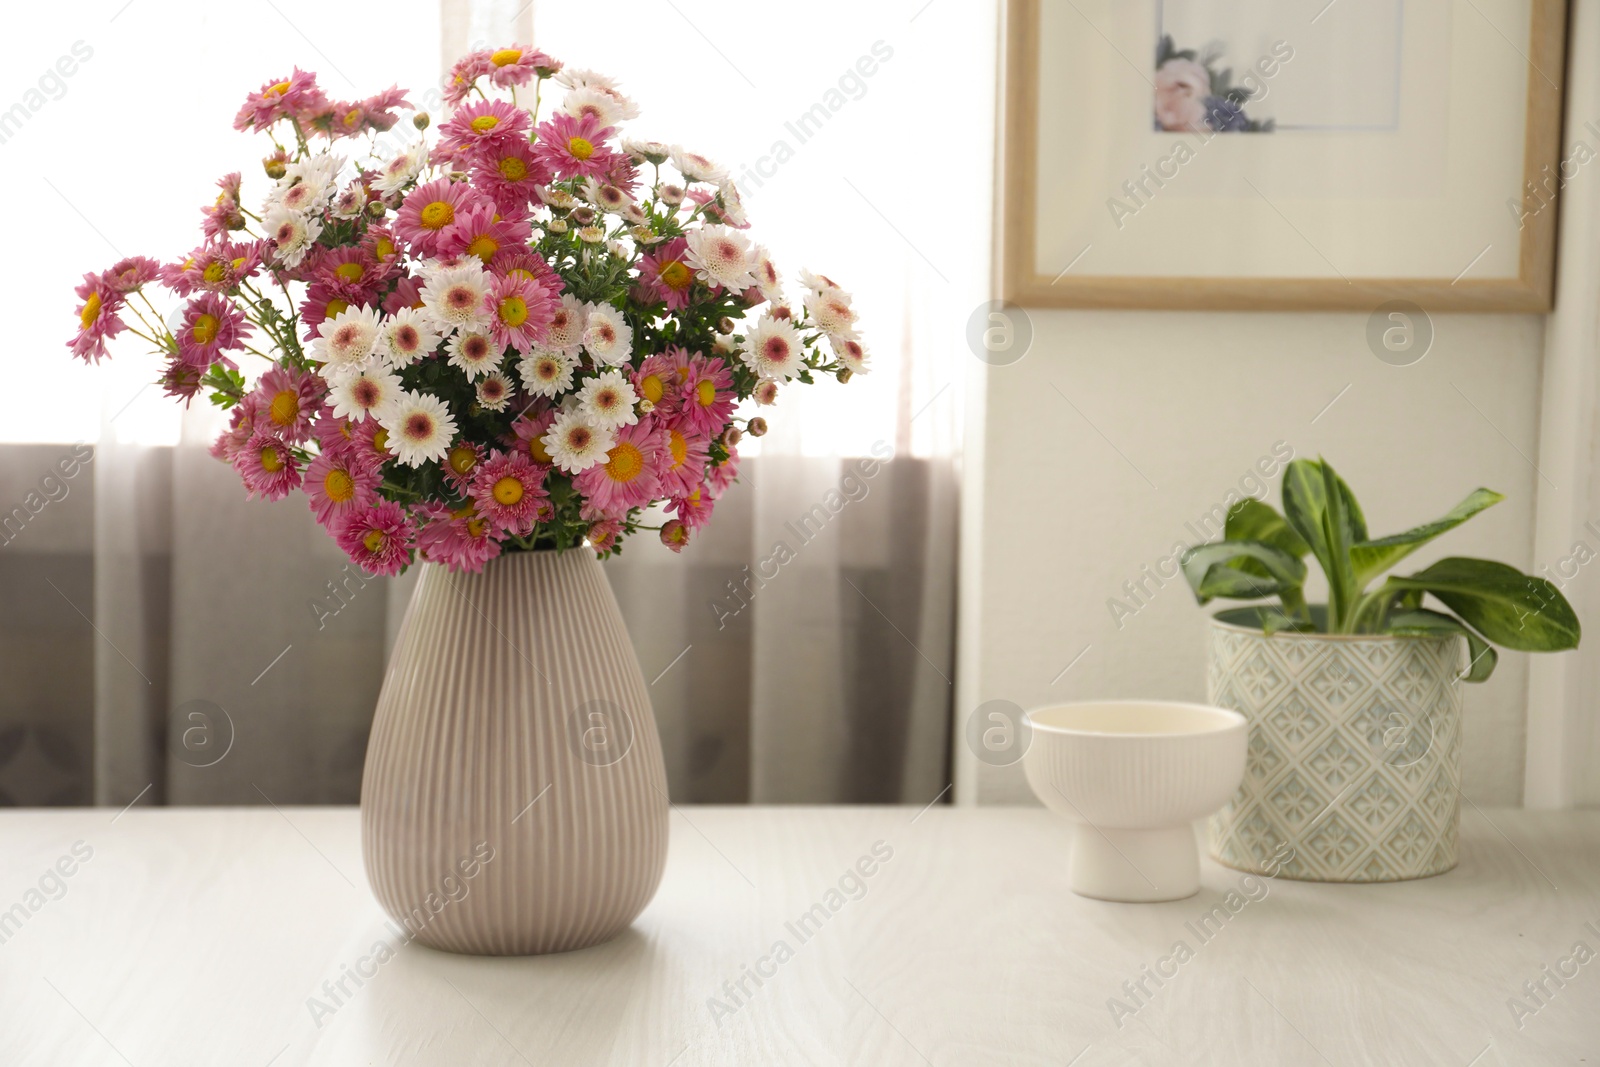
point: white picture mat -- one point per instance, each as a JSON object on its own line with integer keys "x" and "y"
{"x": 1422, "y": 201}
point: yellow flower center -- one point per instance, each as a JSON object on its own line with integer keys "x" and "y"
{"x": 485, "y": 123}
{"x": 204, "y": 330}
{"x": 476, "y": 527}
{"x": 625, "y": 462}
{"x": 350, "y": 272}
{"x": 484, "y": 247}
{"x": 352, "y": 117}
{"x": 335, "y": 307}
{"x": 537, "y": 450}
{"x": 512, "y": 169}
{"x": 380, "y": 440}
{"x": 678, "y": 445}
{"x": 675, "y": 275}
{"x": 507, "y": 491}
{"x": 706, "y": 392}
{"x": 437, "y": 215}
{"x": 580, "y": 148}
{"x": 506, "y": 56}
{"x": 285, "y": 408}
{"x": 91, "y": 310}
{"x": 462, "y": 459}
{"x": 213, "y": 273}
{"x": 338, "y": 486}
{"x": 277, "y": 90}
{"x": 513, "y": 311}
{"x": 384, "y": 248}
{"x": 374, "y": 540}
{"x": 652, "y": 388}
{"x": 271, "y": 462}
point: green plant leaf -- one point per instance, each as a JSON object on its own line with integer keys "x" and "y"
{"x": 1256, "y": 520}
{"x": 1481, "y": 656}
{"x": 1510, "y": 608}
{"x": 1322, "y": 510}
{"x": 1211, "y": 573}
{"x": 1372, "y": 558}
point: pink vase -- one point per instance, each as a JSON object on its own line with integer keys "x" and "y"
{"x": 514, "y": 800}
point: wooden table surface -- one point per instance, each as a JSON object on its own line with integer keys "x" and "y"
{"x": 220, "y": 937}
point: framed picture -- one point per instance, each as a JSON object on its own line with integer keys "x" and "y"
{"x": 1282, "y": 154}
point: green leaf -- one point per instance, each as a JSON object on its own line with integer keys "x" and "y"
{"x": 1508, "y": 607}
{"x": 1323, "y": 511}
{"x": 1372, "y": 558}
{"x": 1210, "y": 570}
{"x": 1255, "y": 520}
{"x": 1422, "y": 623}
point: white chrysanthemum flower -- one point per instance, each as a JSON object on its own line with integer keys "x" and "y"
{"x": 576, "y": 442}
{"x": 608, "y": 398}
{"x": 591, "y": 235}
{"x": 547, "y": 373}
{"x": 817, "y": 283}
{"x": 671, "y": 195}
{"x": 766, "y": 392}
{"x": 350, "y": 203}
{"x": 831, "y": 313}
{"x": 407, "y": 336}
{"x": 721, "y": 255}
{"x": 850, "y": 352}
{"x": 292, "y": 234}
{"x": 608, "y": 197}
{"x": 557, "y": 199}
{"x": 344, "y": 342}
{"x": 454, "y": 296}
{"x": 401, "y": 168}
{"x": 580, "y": 78}
{"x": 772, "y": 349}
{"x": 474, "y": 353}
{"x": 768, "y": 280}
{"x": 364, "y": 393}
{"x": 420, "y": 427}
{"x": 732, "y": 204}
{"x": 565, "y": 333}
{"x": 646, "y": 151}
{"x": 697, "y": 168}
{"x": 494, "y": 392}
{"x": 607, "y": 106}
{"x": 307, "y": 185}
{"x": 606, "y": 337}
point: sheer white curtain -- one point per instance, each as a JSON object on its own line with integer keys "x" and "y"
{"x": 236, "y": 657}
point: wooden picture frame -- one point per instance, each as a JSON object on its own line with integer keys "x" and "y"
{"x": 1023, "y": 282}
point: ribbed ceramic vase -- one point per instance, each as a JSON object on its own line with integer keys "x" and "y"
{"x": 1353, "y": 768}
{"x": 514, "y": 800}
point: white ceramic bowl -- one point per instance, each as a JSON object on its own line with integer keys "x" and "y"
{"x": 1134, "y": 774}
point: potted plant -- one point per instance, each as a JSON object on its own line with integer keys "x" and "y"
{"x": 497, "y": 352}
{"x": 1354, "y": 705}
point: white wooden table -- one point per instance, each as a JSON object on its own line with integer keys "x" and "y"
{"x": 205, "y": 936}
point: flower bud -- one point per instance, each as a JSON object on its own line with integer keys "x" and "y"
{"x": 376, "y": 208}
{"x": 725, "y": 325}
{"x": 674, "y": 534}
{"x": 757, "y": 426}
{"x": 844, "y": 376}
{"x": 420, "y": 120}
{"x": 732, "y": 437}
{"x": 557, "y": 226}
{"x": 275, "y": 167}
{"x": 583, "y": 215}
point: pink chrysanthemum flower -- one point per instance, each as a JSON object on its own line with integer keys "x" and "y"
{"x": 179, "y": 380}
{"x": 295, "y": 95}
{"x": 335, "y": 436}
{"x": 528, "y": 430}
{"x": 665, "y": 276}
{"x": 131, "y": 274}
{"x": 211, "y": 327}
{"x": 482, "y": 123}
{"x": 218, "y": 267}
{"x": 326, "y": 300}
{"x": 694, "y": 508}
{"x": 630, "y": 477}
{"x": 267, "y": 466}
{"x": 429, "y": 210}
{"x": 339, "y": 487}
{"x": 603, "y": 534}
{"x": 289, "y": 401}
{"x": 520, "y": 311}
{"x": 674, "y": 534}
{"x": 720, "y": 477}
{"x": 509, "y": 171}
{"x": 521, "y": 263}
{"x": 98, "y": 318}
{"x": 481, "y": 231}
{"x": 460, "y": 465}
{"x": 460, "y": 539}
{"x": 351, "y": 265}
{"x": 224, "y": 213}
{"x": 369, "y": 444}
{"x": 519, "y": 65}
{"x": 509, "y": 492}
{"x": 467, "y": 70}
{"x": 378, "y": 539}
{"x": 687, "y": 455}
{"x": 241, "y": 427}
{"x": 707, "y": 398}
{"x": 407, "y": 294}
{"x": 656, "y": 380}
{"x": 575, "y": 148}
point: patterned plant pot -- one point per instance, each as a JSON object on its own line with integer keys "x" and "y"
{"x": 1354, "y": 761}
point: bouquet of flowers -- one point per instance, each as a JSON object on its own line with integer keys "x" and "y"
{"x": 522, "y": 336}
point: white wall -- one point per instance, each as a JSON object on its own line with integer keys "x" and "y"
{"x": 1055, "y": 519}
